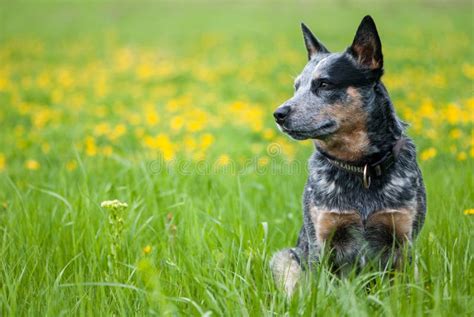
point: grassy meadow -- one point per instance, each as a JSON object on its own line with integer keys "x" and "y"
{"x": 167, "y": 106}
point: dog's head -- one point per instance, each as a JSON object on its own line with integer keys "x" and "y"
{"x": 333, "y": 91}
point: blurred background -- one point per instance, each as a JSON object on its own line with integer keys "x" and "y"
{"x": 199, "y": 80}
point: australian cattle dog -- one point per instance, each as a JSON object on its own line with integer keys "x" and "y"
{"x": 364, "y": 199}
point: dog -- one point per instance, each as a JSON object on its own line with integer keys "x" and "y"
{"x": 364, "y": 199}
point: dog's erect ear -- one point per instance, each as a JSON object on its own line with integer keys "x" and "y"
{"x": 313, "y": 46}
{"x": 366, "y": 47}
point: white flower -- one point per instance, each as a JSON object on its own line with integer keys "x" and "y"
{"x": 109, "y": 204}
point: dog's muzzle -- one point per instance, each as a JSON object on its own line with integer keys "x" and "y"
{"x": 281, "y": 114}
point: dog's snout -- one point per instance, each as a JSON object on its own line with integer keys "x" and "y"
{"x": 281, "y": 113}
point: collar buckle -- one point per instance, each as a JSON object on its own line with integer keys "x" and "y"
{"x": 366, "y": 177}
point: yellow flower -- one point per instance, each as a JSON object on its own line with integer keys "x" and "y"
{"x": 427, "y": 109}
{"x": 468, "y": 70}
{"x": 428, "y": 154}
{"x": 462, "y": 156}
{"x": 268, "y": 134}
{"x": 453, "y": 113}
{"x": 263, "y": 161}
{"x": 2, "y": 162}
{"x": 469, "y": 211}
{"x": 32, "y": 165}
{"x": 71, "y": 165}
{"x": 147, "y": 249}
{"x": 455, "y": 134}
{"x": 107, "y": 150}
{"x": 223, "y": 160}
{"x": 118, "y": 131}
{"x": 206, "y": 140}
{"x": 91, "y": 148}
{"x": 101, "y": 129}
{"x": 176, "y": 123}
{"x": 151, "y": 116}
{"x": 145, "y": 71}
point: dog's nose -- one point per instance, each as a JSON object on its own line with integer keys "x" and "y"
{"x": 281, "y": 113}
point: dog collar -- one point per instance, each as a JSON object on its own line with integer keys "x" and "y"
{"x": 369, "y": 170}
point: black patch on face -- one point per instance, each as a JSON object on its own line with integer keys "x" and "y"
{"x": 343, "y": 73}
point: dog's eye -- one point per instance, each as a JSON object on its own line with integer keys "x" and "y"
{"x": 324, "y": 84}
{"x": 321, "y": 84}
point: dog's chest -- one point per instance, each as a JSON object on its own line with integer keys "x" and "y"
{"x": 334, "y": 209}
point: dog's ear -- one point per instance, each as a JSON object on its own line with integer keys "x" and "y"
{"x": 366, "y": 47}
{"x": 313, "y": 46}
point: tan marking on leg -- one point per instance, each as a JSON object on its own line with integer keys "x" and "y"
{"x": 326, "y": 222}
{"x": 400, "y": 222}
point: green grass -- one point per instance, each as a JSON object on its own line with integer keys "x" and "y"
{"x": 212, "y": 234}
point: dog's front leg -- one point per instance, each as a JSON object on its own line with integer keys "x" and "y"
{"x": 389, "y": 233}
{"x": 286, "y": 269}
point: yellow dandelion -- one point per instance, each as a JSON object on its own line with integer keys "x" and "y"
{"x": 469, "y": 211}
{"x": 453, "y": 113}
{"x": 101, "y": 129}
{"x": 145, "y": 71}
{"x": 189, "y": 143}
{"x": 172, "y": 105}
{"x": 91, "y": 148}
{"x": 432, "y": 134}
{"x": 176, "y": 123}
{"x": 151, "y": 117}
{"x": 117, "y": 132}
{"x": 71, "y": 165}
{"x": 150, "y": 142}
{"x": 263, "y": 161}
{"x": 455, "y": 134}
{"x": 428, "y": 154}
{"x": 199, "y": 156}
{"x": 32, "y": 165}
{"x": 468, "y": 70}
{"x": 147, "y": 249}
{"x": 268, "y": 134}
{"x": 206, "y": 140}
{"x": 3, "y": 162}
{"x": 461, "y": 156}
{"x": 427, "y": 109}
{"x": 4, "y": 83}
{"x": 223, "y": 160}
{"x": 107, "y": 150}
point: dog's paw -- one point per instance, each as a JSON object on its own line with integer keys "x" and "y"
{"x": 286, "y": 270}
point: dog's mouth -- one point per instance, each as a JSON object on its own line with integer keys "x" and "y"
{"x": 322, "y": 130}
